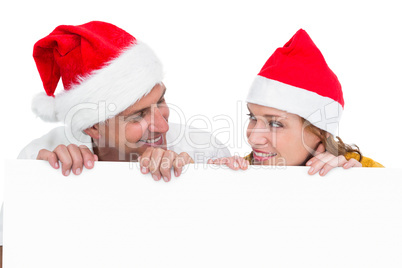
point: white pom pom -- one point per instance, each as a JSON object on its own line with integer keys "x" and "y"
{"x": 44, "y": 107}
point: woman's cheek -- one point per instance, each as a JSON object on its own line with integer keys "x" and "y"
{"x": 250, "y": 127}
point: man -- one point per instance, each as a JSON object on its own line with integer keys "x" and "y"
{"x": 113, "y": 102}
{"x": 113, "y": 105}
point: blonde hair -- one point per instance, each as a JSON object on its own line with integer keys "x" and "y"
{"x": 336, "y": 147}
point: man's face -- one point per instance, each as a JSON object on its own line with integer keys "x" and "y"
{"x": 141, "y": 125}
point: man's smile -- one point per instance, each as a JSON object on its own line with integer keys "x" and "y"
{"x": 154, "y": 142}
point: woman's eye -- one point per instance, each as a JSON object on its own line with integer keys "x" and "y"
{"x": 251, "y": 117}
{"x": 275, "y": 124}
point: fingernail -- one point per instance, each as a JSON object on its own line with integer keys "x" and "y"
{"x": 56, "y": 165}
{"x": 89, "y": 164}
{"x": 165, "y": 179}
{"x": 155, "y": 177}
{"x": 322, "y": 172}
{"x": 176, "y": 174}
{"x": 308, "y": 163}
{"x": 78, "y": 171}
{"x": 67, "y": 172}
{"x": 144, "y": 170}
{"x": 236, "y": 165}
{"x": 311, "y": 171}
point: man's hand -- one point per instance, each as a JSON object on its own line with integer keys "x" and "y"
{"x": 323, "y": 162}
{"x": 159, "y": 162}
{"x": 233, "y": 162}
{"x": 72, "y": 157}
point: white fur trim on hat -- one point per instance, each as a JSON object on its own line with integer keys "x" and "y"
{"x": 105, "y": 92}
{"x": 321, "y": 111}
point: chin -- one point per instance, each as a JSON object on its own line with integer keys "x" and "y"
{"x": 277, "y": 161}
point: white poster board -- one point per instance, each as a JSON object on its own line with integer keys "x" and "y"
{"x": 113, "y": 216}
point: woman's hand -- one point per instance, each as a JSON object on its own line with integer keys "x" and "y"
{"x": 324, "y": 161}
{"x": 159, "y": 162}
{"x": 233, "y": 162}
{"x": 72, "y": 157}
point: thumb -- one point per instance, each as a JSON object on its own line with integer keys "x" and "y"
{"x": 320, "y": 149}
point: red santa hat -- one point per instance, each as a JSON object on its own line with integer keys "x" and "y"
{"x": 103, "y": 68}
{"x": 297, "y": 79}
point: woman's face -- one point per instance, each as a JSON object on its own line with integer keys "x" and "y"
{"x": 278, "y": 137}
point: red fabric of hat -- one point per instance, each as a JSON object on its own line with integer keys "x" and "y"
{"x": 297, "y": 79}
{"x": 75, "y": 51}
{"x": 100, "y": 65}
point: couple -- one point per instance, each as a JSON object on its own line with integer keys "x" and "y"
{"x": 114, "y": 108}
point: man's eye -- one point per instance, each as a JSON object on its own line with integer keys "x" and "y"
{"x": 251, "y": 117}
{"x": 136, "y": 117}
{"x": 162, "y": 101}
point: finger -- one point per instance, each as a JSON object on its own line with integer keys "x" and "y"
{"x": 49, "y": 156}
{"x": 76, "y": 156}
{"x": 232, "y": 163}
{"x": 214, "y": 161}
{"x": 320, "y": 149}
{"x": 220, "y": 161}
{"x": 322, "y": 159}
{"x": 317, "y": 157}
{"x": 312, "y": 161}
{"x": 87, "y": 156}
{"x": 180, "y": 161}
{"x": 238, "y": 163}
{"x": 243, "y": 163}
{"x": 166, "y": 164}
{"x": 145, "y": 160}
{"x": 335, "y": 162}
{"x": 352, "y": 163}
{"x": 64, "y": 156}
{"x": 155, "y": 163}
{"x": 319, "y": 154}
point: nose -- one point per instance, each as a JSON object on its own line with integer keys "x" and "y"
{"x": 157, "y": 122}
{"x": 258, "y": 135}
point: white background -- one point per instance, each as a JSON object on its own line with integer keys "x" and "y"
{"x": 212, "y": 50}
{"x": 262, "y": 217}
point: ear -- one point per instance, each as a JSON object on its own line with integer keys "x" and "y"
{"x": 93, "y": 132}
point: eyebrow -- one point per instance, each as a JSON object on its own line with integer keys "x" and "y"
{"x": 270, "y": 115}
{"x": 143, "y": 109}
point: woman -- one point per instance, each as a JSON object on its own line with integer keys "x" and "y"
{"x": 294, "y": 87}
{"x": 295, "y": 105}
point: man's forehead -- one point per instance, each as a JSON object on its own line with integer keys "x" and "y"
{"x": 146, "y": 101}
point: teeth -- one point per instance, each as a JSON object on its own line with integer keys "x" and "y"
{"x": 264, "y": 155}
{"x": 153, "y": 141}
